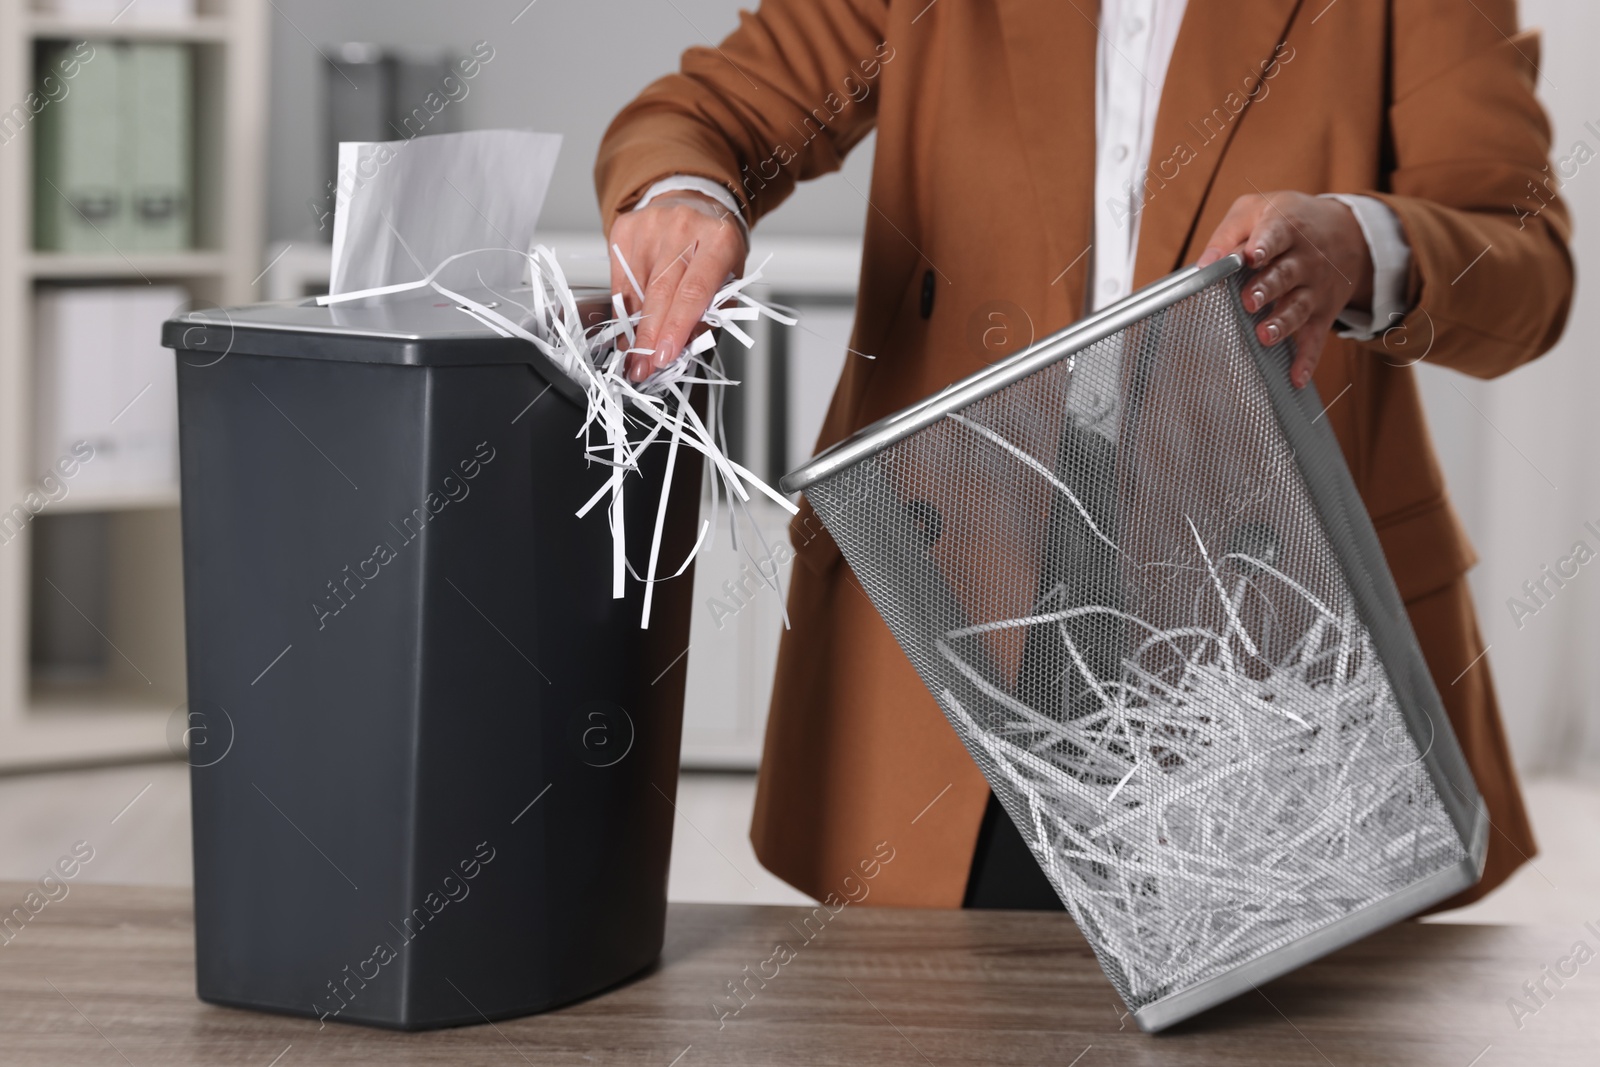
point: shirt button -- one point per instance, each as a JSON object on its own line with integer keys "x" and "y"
{"x": 1110, "y": 286}
{"x": 1135, "y": 26}
{"x": 1119, "y": 153}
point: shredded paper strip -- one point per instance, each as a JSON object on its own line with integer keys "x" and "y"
{"x": 626, "y": 418}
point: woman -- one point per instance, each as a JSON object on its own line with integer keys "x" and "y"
{"x": 1030, "y": 153}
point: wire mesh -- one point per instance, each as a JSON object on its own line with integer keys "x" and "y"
{"x": 1114, "y": 580}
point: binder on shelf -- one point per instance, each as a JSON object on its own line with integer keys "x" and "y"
{"x": 79, "y": 200}
{"x": 115, "y": 156}
{"x": 103, "y": 378}
{"x": 158, "y": 144}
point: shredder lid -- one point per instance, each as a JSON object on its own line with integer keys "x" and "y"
{"x": 417, "y": 329}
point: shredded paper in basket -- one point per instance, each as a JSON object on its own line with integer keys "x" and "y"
{"x": 1138, "y": 581}
{"x": 626, "y": 418}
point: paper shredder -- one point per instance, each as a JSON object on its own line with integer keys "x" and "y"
{"x": 433, "y": 762}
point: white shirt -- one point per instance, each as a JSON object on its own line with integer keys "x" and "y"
{"x": 1135, "y": 47}
{"x": 1134, "y": 51}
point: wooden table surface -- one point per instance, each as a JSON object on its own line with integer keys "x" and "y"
{"x": 105, "y": 976}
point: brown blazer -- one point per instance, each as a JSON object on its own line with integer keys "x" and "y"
{"x": 983, "y": 179}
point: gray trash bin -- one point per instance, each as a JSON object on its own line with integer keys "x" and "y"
{"x": 433, "y": 761}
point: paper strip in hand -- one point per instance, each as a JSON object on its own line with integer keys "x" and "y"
{"x": 467, "y": 205}
{"x": 596, "y": 359}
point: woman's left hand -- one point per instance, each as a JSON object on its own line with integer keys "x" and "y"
{"x": 1311, "y": 261}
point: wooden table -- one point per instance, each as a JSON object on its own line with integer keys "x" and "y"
{"x": 105, "y": 976}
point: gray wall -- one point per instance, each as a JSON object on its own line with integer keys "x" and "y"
{"x": 564, "y": 66}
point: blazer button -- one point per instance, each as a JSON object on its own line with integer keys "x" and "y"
{"x": 927, "y": 294}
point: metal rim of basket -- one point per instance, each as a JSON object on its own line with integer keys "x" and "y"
{"x": 872, "y": 439}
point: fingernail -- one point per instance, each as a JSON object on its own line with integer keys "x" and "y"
{"x": 1273, "y": 330}
{"x": 1260, "y": 297}
{"x": 1258, "y": 255}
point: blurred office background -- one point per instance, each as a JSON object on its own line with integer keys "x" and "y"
{"x": 183, "y": 158}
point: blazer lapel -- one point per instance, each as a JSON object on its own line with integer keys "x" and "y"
{"x": 1222, "y": 49}
{"x": 1050, "y": 54}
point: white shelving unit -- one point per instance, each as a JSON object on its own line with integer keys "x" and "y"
{"x": 127, "y": 714}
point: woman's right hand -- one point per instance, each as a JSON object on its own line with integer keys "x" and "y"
{"x": 682, "y": 247}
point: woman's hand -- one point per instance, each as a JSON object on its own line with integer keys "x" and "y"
{"x": 1312, "y": 262}
{"x": 682, "y": 247}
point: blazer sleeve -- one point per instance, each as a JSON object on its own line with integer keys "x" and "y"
{"x": 782, "y": 98}
{"x": 1491, "y": 274}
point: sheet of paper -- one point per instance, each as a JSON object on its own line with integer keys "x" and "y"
{"x": 404, "y": 207}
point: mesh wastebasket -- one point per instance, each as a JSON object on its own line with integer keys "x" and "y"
{"x": 433, "y": 761}
{"x": 1130, "y": 565}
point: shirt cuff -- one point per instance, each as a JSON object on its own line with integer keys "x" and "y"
{"x": 706, "y": 187}
{"x": 1391, "y": 268}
